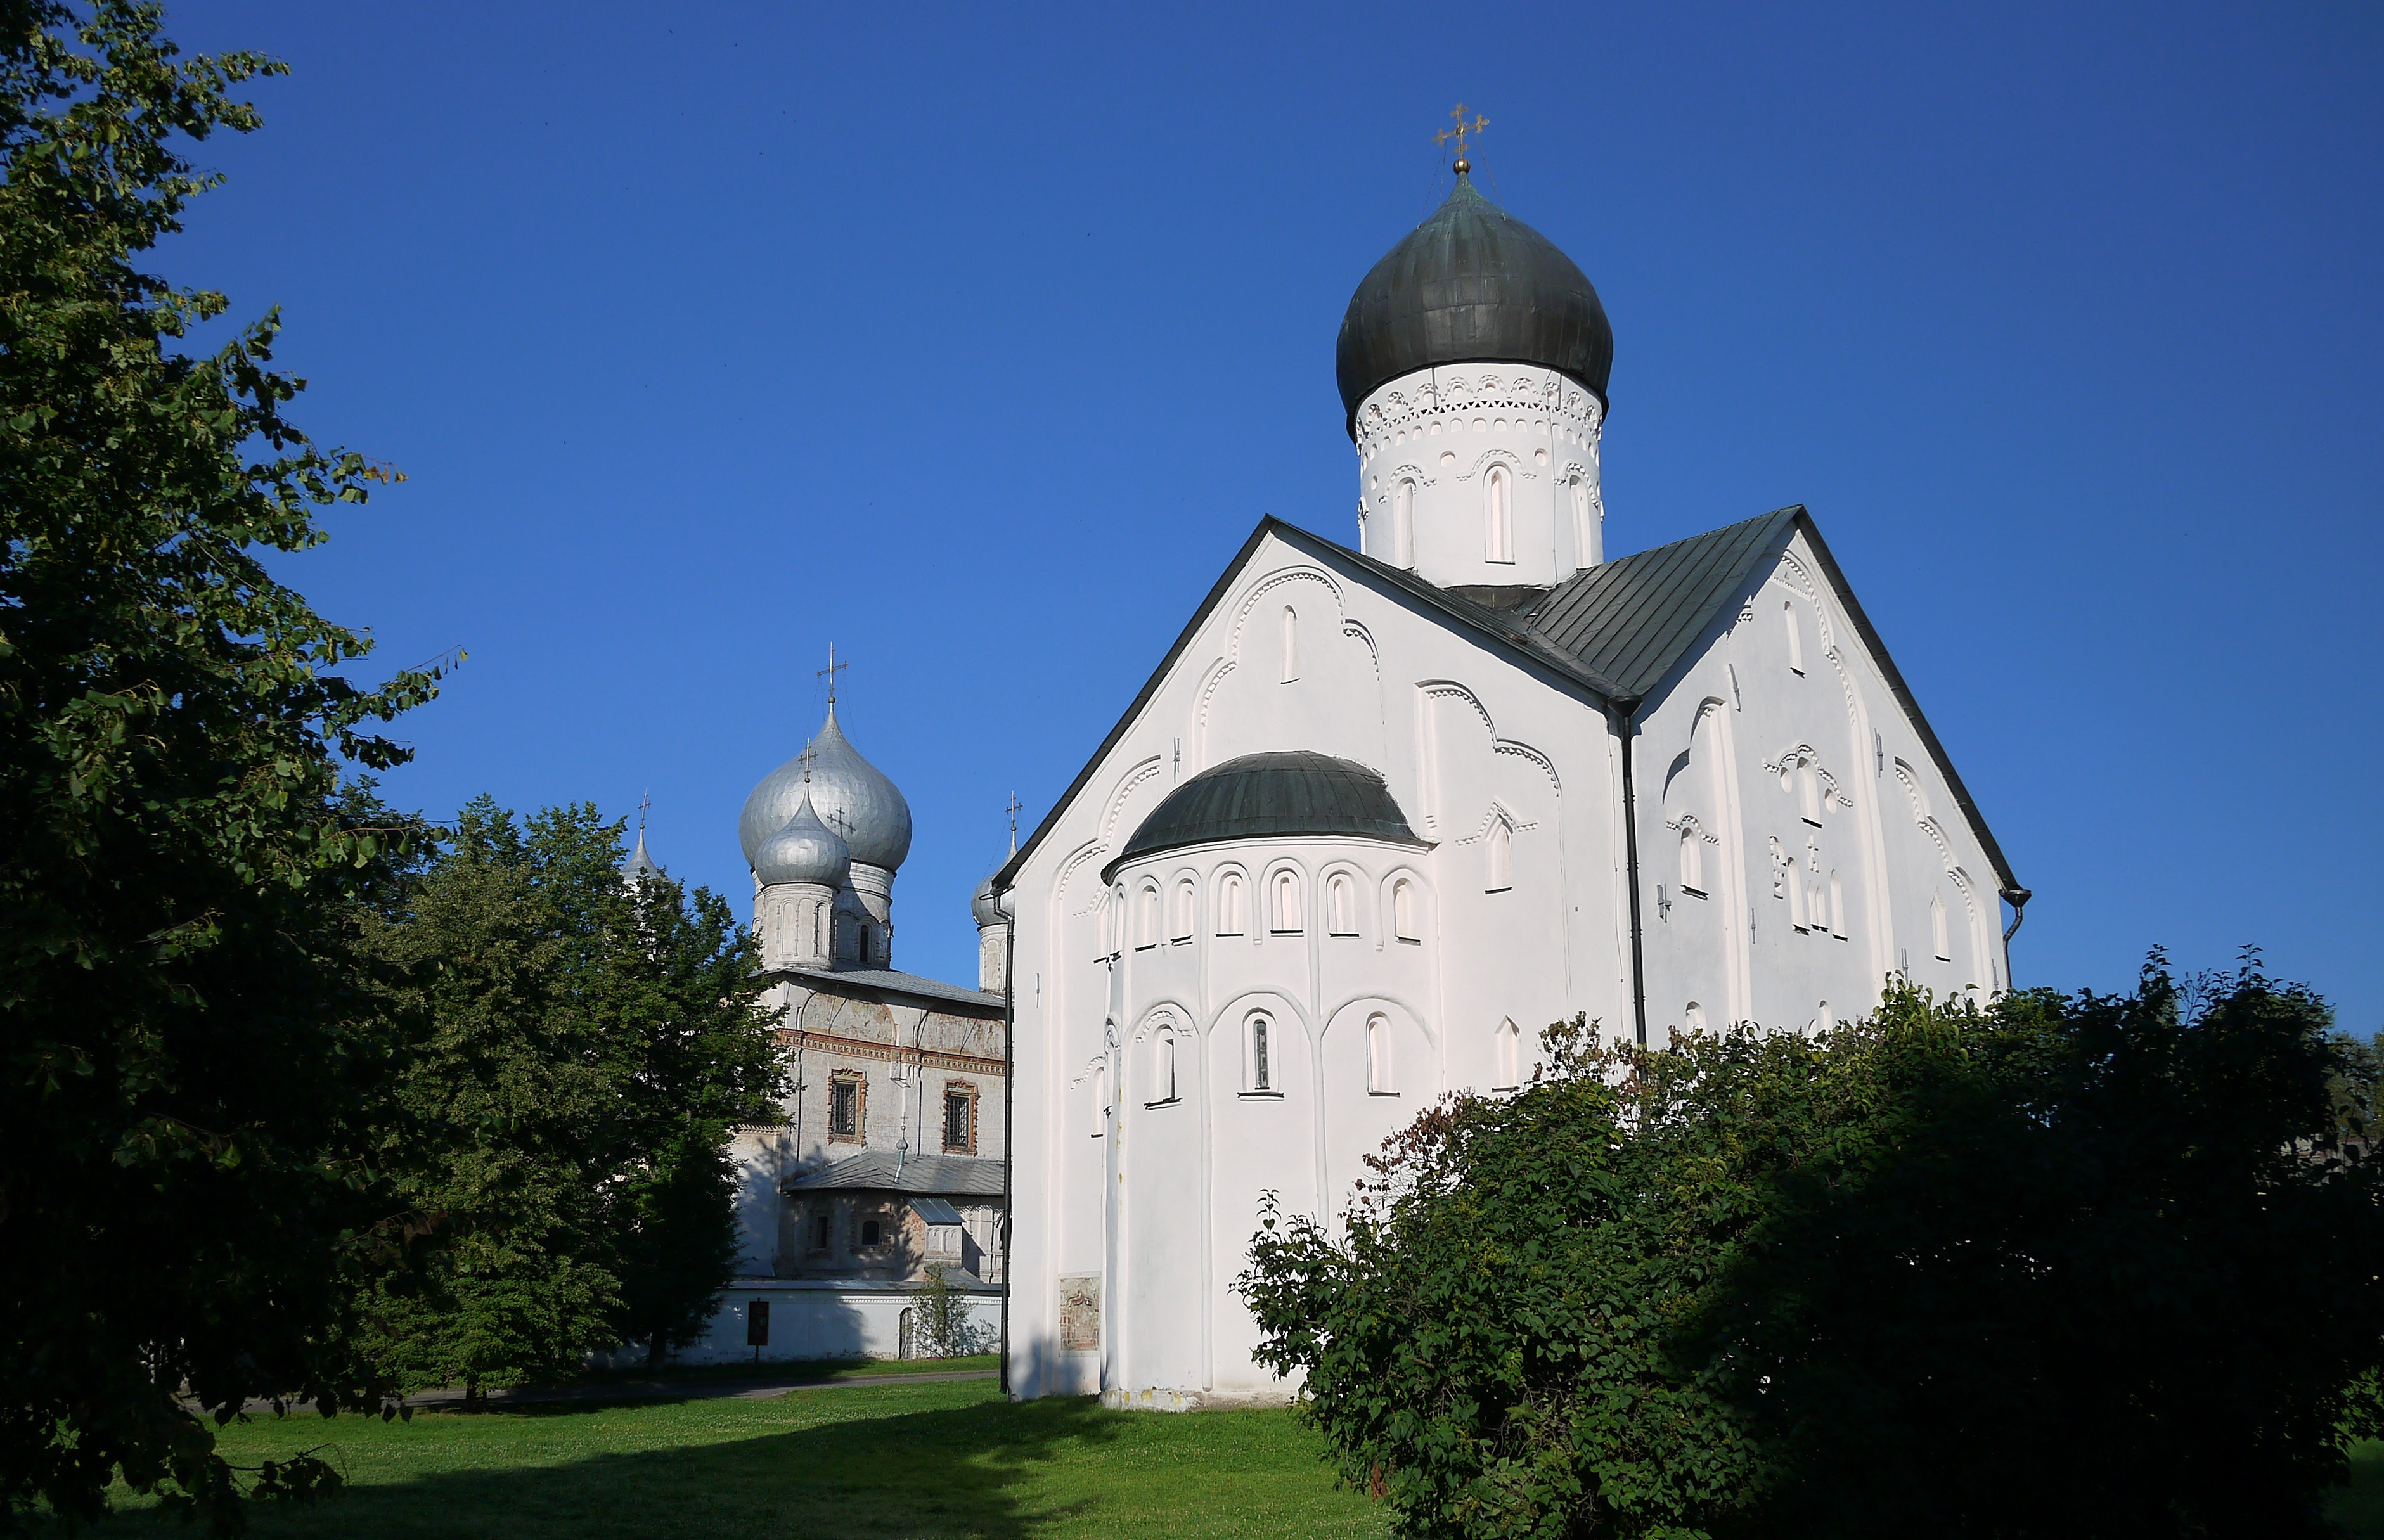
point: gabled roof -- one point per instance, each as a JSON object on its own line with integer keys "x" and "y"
{"x": 875, "y": 1171}
{"x": 1633, "y": 618}
{"x": 1619, "y": 629}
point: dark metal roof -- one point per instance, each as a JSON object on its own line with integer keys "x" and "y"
{"x": 873, "y": 1171}
{"x": 935, "y": 1211}
{"x": 1631, "y": 619}
{"x": 888, "y": 981}
{"x": 1284, "y": 792}
{"x": 1471, "y": 284}
{"x": 1642, "y": 620}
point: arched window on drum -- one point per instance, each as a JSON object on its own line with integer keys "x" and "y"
{"x": 1285, "y": 919}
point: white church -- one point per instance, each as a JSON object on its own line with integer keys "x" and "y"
{"x": 1381, "y": 814}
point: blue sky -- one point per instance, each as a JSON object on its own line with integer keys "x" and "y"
{"x": 976, "y": 341}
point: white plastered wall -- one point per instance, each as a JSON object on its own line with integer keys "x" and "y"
{"x": 1146, "y": 1205}
{"x": 1824, "y": 827}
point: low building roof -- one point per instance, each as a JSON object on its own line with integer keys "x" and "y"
{"x": 876, "y": 1171}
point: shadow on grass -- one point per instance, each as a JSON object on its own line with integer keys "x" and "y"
{"x": 977, "y": 1471}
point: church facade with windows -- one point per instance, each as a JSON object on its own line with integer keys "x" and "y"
{"x": 1384, "y": 812}
{"x": 887, "y": 1159}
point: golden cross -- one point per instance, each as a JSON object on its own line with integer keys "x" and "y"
{"x": 1459, "y": 133}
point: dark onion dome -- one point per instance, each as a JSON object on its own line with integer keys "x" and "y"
{"x": 851, "y": 796}
{"x": 804, "y": 850}
{"x": 1472, "y": 285}
{"x": 1260, "y": 796}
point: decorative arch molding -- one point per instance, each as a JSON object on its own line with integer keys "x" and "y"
{"x": 1283, "y": 577}
{"x": 1449, "y": 689}
{"x": 1209, "y": 687}
{"x": 1803, "y": 585}
{"x": 1356, "y": 631}
{"x": 1128, "y": 783}
{"x": 1357, "y": 1007}
{"x": 1499, "y": 812}
{"x": 1406, "y": 471}
{"x": 1506, "y": 458}
{"x": 1068, "y": 869}
{"x": 1169, "y": 1012}
{"x": 1275, "y": 1002}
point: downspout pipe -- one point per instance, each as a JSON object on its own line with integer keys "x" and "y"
{"x": 1622, "y": 716}
{"x": 2017, "y": 897}
{"x": 1009, "y": 1100}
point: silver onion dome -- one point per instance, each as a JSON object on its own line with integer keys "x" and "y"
{"x": 986, "y": 904}
{"x": 851, "y": 795}
{"x": 642, "y": 867}
{"x": 804, "y": 850}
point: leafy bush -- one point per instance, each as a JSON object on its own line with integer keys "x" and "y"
{"x": 2068, "y": 1265}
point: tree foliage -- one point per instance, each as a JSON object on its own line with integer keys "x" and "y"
{"x": 190, "y": 1045}
{"x": 582, "y": 1051}
{"x": 2068, "y": 1265}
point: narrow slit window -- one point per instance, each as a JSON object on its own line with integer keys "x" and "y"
{"x": 1146, "y": 932}
{"x": 1262, "y": 1055}
{"x": 1229, "y": 904}
{"x": 1378, "y": 1057}
{"x": 1499, "y": 489}
{"x": 1501, "y": 853}
{"x": 960, "y": 1121}
{"x": 1343, "y": 902}
{"x": 1692, "y": 861}
{"x": 1584, "y": 531}
{"x": 1186, "y": 904}
{"x": 1403, "y": 524}
{"x": 1100, "y": 1101}
{"x": 1837, "y": 907}
{"x": 1403, "y": 906}
{"x": 1940, "y": 942}
{"x": 1810, "y": 786}
{"x": 1795, "y": 637}
{"x": 1290, "y": 644}
{"x": 1506, "y": 1058}
{"x": 1163, "y": 1067}
{"x": 1286, "y": 902}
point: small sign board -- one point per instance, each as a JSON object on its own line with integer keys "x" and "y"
{"x": 757, "y": 1324}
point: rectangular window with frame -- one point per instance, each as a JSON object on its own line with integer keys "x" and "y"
{"x": 960, "y": 1119}
{"x": 846, "y": 1093}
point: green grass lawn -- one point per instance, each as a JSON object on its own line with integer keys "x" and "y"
{"x": 940, "y": 1459}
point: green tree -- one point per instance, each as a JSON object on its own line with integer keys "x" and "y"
{"x": 190, "y": 1049}
{"x": 2069, "y": 1266}
{"x": 2101, "y": 1269}
{"x": 584, "y": 1051}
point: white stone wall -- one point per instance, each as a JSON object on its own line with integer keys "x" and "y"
{"x": 1479, "y": 751}
{"x": 815, "y": 1319}
{"x": 1824, "y": 831}
{"x": 1428, "y": 443}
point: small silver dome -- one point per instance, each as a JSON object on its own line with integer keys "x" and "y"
{"x": 851, "y": 795}
{"x": 642, "y": 867}
{"x": 804, "y": 850}
{"x": 987, "y": 905}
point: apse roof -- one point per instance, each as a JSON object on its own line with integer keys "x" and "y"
{"x": 1285, "y": 792}
{"x": 1471, "y": 284}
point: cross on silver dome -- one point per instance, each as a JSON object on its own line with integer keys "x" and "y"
{"x": 847, "y": 792}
